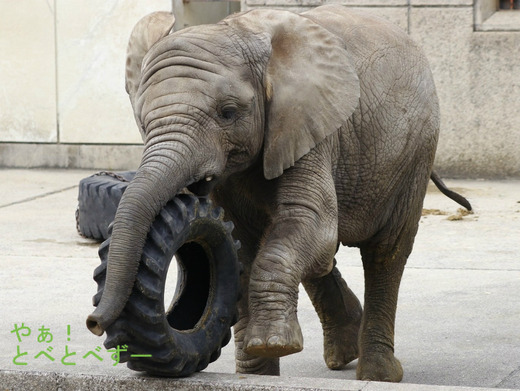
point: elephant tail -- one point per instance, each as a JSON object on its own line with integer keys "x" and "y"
{"x": 449, "y": 193}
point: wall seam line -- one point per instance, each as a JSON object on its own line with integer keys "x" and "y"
{"x": 56, "y": 83}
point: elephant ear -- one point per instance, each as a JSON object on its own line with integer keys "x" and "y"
{"x": 311, "y": 85}
{"x": 145, "y": 34}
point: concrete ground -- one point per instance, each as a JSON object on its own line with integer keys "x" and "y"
{"x": 458, "y": 321}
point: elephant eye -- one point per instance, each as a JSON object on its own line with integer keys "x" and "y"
{"x": 228, "y": 113}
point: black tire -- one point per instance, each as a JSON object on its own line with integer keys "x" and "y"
{"x": 98, "y": 199}
{"x": 190, "y": 334}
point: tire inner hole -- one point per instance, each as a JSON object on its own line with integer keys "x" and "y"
{"x": 192, "y": 287}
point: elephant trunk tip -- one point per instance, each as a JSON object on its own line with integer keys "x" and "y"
{"x": 94, "y": 325}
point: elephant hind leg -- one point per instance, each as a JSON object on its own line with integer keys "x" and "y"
{"x": 376, "y": 343}
{"x": 340, "y": 314}
{"x": 384, "y": 259}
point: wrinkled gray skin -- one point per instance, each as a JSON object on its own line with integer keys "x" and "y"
{"x": 310, "y": 130}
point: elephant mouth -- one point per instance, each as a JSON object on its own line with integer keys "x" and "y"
{"x": 203, "y": 187}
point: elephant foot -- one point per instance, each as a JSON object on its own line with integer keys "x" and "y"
{"x": 258, "y": 366}
{"x": 379, "y": 367}
{"x": 340, "y": 347}
{"x": 340, "y": 314}
{"x": 274, "y": 338}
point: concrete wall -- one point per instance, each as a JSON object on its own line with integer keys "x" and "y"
{"x": 62, "y": 96}
{"x": 63, "y": 104}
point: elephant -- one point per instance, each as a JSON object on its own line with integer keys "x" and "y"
{"x": 311, "y": 131}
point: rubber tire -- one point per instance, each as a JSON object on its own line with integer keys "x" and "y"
{"x": 190, "y": 335}
{"x": 98, "y": 199}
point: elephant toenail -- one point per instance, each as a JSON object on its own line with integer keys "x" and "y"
{"x": 273, "y": 341}
{"x": 254, "y": 342}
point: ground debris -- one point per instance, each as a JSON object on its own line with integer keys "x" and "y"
{"x": 434, "y": 212}
{"x": 460, "y": 214}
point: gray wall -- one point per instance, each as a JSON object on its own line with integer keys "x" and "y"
{"x": 63, "y": 103}
{"x": 62, "y": 96}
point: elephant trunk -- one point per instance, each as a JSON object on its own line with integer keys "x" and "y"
{"x": 161, "y": 175}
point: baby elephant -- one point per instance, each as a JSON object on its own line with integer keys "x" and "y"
{"x": 311, "y": 130}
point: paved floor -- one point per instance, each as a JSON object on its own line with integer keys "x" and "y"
{"x": 458, "y": 319}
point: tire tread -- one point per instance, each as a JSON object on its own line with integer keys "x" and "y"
{"x": 142, "y": 326}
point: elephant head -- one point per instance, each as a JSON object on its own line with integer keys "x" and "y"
{"x": 260, "y": 88}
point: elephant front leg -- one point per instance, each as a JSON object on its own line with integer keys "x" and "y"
{"x": 273, "y": 329}
{"x": 247, "y": 363}
{"x": 299, "y": 244}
